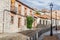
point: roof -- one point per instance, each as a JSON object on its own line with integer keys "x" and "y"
{"x": 45, "y": 16}
{"x": 24, "y": 4}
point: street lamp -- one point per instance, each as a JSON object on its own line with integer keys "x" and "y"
{"x": 56, "y": 20}
{"x": 51, "y": 32}
{"x": 3, "y": 21}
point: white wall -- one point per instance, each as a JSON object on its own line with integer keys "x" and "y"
{"x": 5, "y": 4}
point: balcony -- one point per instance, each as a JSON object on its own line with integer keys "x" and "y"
{"x": 14, "y": 11}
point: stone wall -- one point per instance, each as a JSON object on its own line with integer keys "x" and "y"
{"x": 5, "y": 4}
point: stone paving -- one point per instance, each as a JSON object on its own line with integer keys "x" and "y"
{"x": 12, "y": 36}
{"x": 57, "y": 33}
{"x": 20, "y": 36}
{"x": 48, "y": 37}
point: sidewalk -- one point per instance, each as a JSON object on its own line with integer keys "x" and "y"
{"x": 57, "y": 33}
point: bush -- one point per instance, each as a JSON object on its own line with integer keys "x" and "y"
{"x": 29, "y": 21}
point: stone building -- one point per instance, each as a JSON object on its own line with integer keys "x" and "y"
{"x": 19, "y": 21}
{"x": 13, "y": 15}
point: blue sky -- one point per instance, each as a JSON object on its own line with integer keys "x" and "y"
{"x": 41, "y": 4}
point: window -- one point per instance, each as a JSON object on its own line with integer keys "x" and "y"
{"x": 18, "y": 22}
{"x": 12, "y": 1}
{"x": 25, "y": 22}
{"x": 46, "y": 22}
{"x": 43, "y": 22}
{"x": 12, "y": 19}
{"x": 12, "y": 5}
{"x": 25, "y": 11}
{"x": 40, "y": 21}
{"x": 25, "y": 15}
{"x": 30, "y": 12}
{"x": 19, "y": 8}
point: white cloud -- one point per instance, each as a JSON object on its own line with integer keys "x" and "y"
{"x": 41, "y": 3}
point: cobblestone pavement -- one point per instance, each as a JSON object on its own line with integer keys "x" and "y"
{"x": 18, "y": 36}
{"x": 48, "y": 33}
{"x": 12, "y": 36}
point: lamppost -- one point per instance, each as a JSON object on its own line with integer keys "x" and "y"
{"x": 3, "y": 21}
{"x": 51, "y": 31}
{"x": 56, "y": 20}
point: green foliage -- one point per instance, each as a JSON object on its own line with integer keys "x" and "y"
{"x": 29, "y": 22}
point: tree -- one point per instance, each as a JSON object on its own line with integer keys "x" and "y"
{"x": 30, "y": 20}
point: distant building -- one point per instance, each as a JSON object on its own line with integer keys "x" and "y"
{"x": 46, "y": 11}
